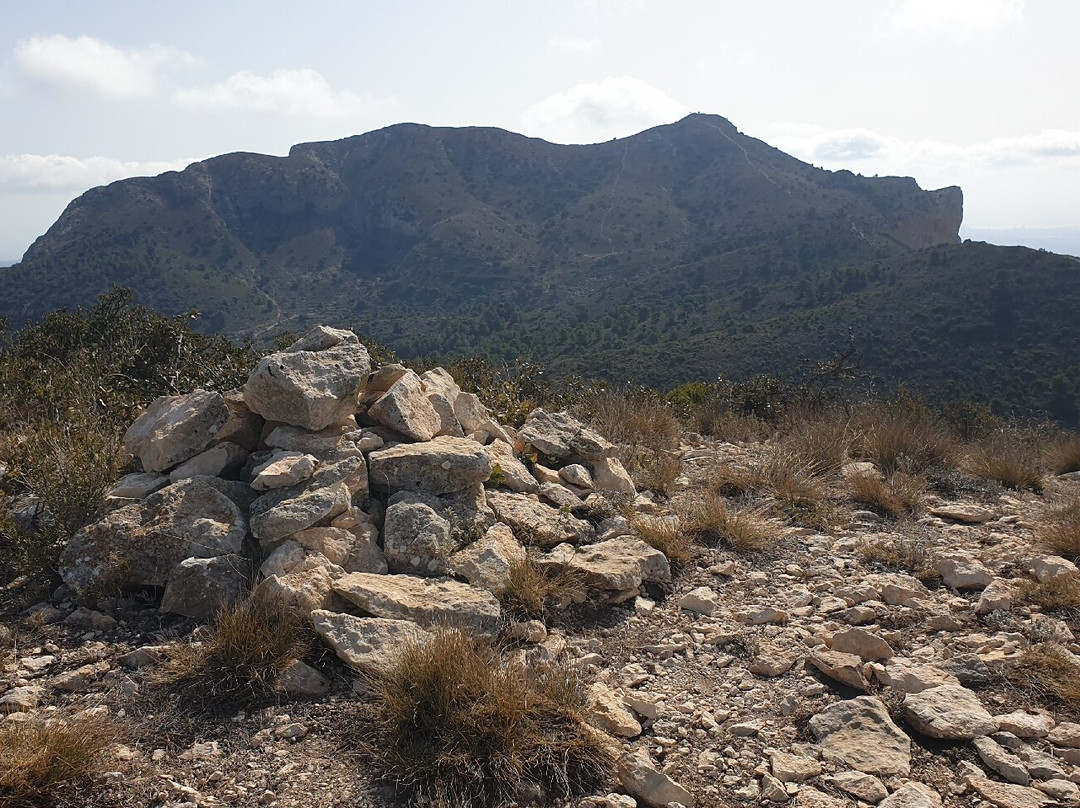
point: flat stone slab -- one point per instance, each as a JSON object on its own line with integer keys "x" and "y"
{"x": 444, "y": 465}
{"x": 427, "y": 602}
{"x": 365, "y": 644}
{"x": 539, "y": 524}
{"x": 965, "y": 513}
{"x": 948, "y": 711}
{"x": 860, "y": 733}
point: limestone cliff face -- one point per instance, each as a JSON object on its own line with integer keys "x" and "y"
{"x": 940, "y": 225}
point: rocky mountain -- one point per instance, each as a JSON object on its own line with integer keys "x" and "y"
{"x": 447, "y": 241}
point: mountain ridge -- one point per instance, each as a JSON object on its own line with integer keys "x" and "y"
{"x": 438, "y": 241}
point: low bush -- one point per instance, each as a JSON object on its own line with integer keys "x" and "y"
{"x": 458, "y": 725}
{"x": 38, "y": 760}
{"x": 239, "y": 661}
{"x": 1059, "y": 528}
{"x": 897, "y": 496}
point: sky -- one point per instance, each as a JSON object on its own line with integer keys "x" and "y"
{"x": 976, "y": 93}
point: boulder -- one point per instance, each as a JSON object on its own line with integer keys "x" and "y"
{"x": 313, "y": 383}
{"x": 963, "y": 512}
{"x": 862, "y": 643}
{"x": 507, "y": 470}
{"x": 1000, "y": 760}
{"x": 353, "y": 549}
{"x": 443, "y": 465}
{"x": 963, "y": 572}
{"x": 912, "y": 795}
{"x": 141, "y": 543}
{"x": 561, "y": 435}
{"x": 610, "y": 475}
{"x": 906, "y": 676}
{"x": 608, "y": 713}
{"x": 487, "y": 562}
{"x": 792, "y": 768}
{"x": 365, "y": 644}
{"x": 301, "y": 681}
{"x": 138, "y": 485}
{"x": 701, "y": 600}
{"x": 405, "y": 408}
{"x": 217, "y": 461}
{"x": 948, "y": 711}
{"x": 175, "y": 428}
{"x": 614, "y": 566}
{"x": 470, "y": 412}
{"x": 645, "y": 783}
{"x": 282, "y": 470}
{"x": 860, "y": 733}
{"x": 306, "y": 586}
{"x": 844, "y": 668}
{"x": 997, "y": 597}
{"x": 576, "y": 475}
{"x": 416, "y": 539}
{"x": 1008, "y": 795}
{"x": 560, "y": 496}
{"x": 1050, "y": 567}
{"x": 442, "y": 391}
{"x": 273, "y": 518}
{"x": 536, "y": 523}
{"x": 425, "y": 601}
{"x": 199, "y": 587}
{"x": 333, "y": 443}
{"x": 862, "y": 786}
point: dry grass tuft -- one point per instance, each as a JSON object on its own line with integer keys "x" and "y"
{"x": 1059, "y": 528}
{"x": 1054, "y": 595}
{"x": 1047, "y": 674}
{"x": 1063, "y": 456}
{"x": 898, "y": 496}
{"x": 240, "y": 660}
{"x": 894, "y": 441}
{"x": 458, "y": 725}
{"x": 665, "y": 535}
{"x": 1010, "y": 458}
{"x": 818, "y": 443}
{"x": 38, "y": 759}
{"x": 653, "y": 471}
{"x": 645, "y": 429}
{"x": 908, "y": 551}
{"x": 711, "y": 521}
{"x": 535, "y": 593}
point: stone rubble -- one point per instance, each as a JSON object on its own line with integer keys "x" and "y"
{"x": 386, "y": 504}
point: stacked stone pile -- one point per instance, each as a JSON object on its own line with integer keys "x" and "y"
{"x": 382, "y": 503}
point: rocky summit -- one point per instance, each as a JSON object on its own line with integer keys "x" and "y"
{"x": 845, "y": 662}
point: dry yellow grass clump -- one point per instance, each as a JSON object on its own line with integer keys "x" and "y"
{"x": 242, "y": 657}
{"x": 1063, "y": 455}
{"x": 1010, "y": 458}
{"x": 1059, "y": 528}
{"x": 711, "y": 521}
{"x": 894, "y": 440}
{"x": 666, "y": 535}
{"x": 38, "y": 759}
{"x": 535, "y": 593}
{"x": 897, "y": 496}
{"x": 458, "y": 725}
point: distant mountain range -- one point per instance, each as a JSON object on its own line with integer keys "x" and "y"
{"x": 686, "y": 251}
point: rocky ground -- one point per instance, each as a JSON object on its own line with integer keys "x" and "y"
{"x": 870, "y": 662}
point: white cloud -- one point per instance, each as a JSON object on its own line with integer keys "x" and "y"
{"x": 958, "y": 13}
{"x": 293, "y": 92}
{"x": 51, "y": 172}
{"x": 86, "y": 64}
{"x": 867, "y": 151}
{"x": 590, "y": 113}
{"x": 569, "y": 44}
